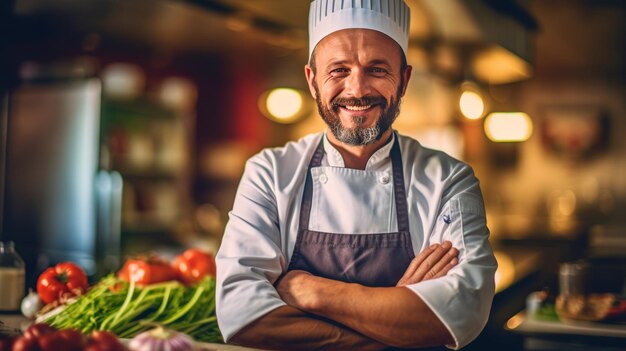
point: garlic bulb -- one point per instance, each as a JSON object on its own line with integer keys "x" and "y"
{"x": 161, "y": 339}
{"x": 31, "y": 304}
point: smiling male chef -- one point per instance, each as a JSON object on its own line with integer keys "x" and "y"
{"x": 357, "y": 238}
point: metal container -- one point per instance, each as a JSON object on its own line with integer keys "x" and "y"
{"x": 572, "y": 278}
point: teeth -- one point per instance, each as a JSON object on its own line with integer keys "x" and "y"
{"x": 358, "y": 108}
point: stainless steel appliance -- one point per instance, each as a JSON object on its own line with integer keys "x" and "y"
{"x": 58, "y": 205}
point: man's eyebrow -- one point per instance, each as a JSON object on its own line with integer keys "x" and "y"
{"x": 337, "y": 62}
{"x": 374, "y": 62}
{"x": 379, "y": 62}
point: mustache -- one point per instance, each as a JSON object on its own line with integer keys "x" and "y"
{"x": 362, "y": 101}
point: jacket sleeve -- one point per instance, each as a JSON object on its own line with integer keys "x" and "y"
{"x": 462, "y": 299}
{"x": 249, "y": 259}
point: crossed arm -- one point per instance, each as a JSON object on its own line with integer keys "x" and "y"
{"x": 326, "y": 314}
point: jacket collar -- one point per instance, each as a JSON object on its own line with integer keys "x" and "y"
{"x": 378, "y": 159}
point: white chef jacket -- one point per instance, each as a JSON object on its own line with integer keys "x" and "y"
{"x": 444, "y": 203}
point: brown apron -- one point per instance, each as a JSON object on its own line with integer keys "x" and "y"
{"x": 376, "y": 260}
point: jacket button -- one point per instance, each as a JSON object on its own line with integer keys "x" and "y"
{"x": 384, "y": 179}
{"x": 323, "y": 178}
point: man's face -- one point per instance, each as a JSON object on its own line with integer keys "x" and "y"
{"x": 357, "y": 82}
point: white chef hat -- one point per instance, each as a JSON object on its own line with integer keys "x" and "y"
{"x": 390, "y": 17}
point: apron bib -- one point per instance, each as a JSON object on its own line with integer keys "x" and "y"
{"x": 368, "y": 258}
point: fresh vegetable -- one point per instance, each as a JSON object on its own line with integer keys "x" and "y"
{"x": 193, "y": 265}
{"x": 72, "y": 338}
{"x": 52, "y": 342}
{"x": 617, "y": 312}
{"x": 6, "y": 342}
{"x": 129, "y": 309}
{"x": 161, "y": 339}
{"x": 31, "y": 304}
{"x": 103, "y": 341}
{"x": 42, "y": 337}
{"x": 24, "y": 344}
{"x": 145, "y": 271}
{"x": 64, "y": 279}
{"x": 36, "y": 330}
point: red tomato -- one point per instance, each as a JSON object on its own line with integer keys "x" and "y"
{"x": 6, "y": 343}
{"x": 103, "y": 341}
{"x": 63, "y": 279}
{"x": 73, "y": 339}
{"x": 193, "y": 265}
{"x": 146, "y": 271}
{"x": 24, "y": 344}
{"x": 34, "y": 331}
{"x": 52, "y": 342}
{"x": 618, "y": 310}
{"x": 103, "y": 337}
{"x": 104, "y": 347}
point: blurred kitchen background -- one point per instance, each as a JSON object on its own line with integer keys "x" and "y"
{"x": 125, "y": 125}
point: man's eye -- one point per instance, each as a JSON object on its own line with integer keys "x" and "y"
{"x": 339, "y": 71}
{"x": 377, "y": 71}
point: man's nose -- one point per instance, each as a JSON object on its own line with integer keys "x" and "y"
{"x": 357, "y": 85}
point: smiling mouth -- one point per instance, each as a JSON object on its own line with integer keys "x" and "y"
{"x": 357, "y": 108}
{"x": 360, "y": 108}
{"x": 358, "y": 105}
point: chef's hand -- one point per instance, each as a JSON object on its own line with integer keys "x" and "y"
{"x": 294, "y": 288}
{"x": 434, "y": 262}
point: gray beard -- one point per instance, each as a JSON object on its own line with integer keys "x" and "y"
{"x": 358, "y": 135}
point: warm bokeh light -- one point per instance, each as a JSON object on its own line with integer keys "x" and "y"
{"x": 123, "y": 80}
{"x": 508, "y": 126}
{"x": 514, "y": 322}
{"x": 472, "y": 105}
{"x": 498, "y": 65}
{"x": 284, "y": 104}
{"x": 179, "y": 93}
{"x": 505, "y": 273}
{"x": 561, "y": 208}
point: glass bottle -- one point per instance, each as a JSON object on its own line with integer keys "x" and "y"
{"x": 12, "y": 283}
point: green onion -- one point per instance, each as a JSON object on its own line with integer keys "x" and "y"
{"x": 127, "y": 310}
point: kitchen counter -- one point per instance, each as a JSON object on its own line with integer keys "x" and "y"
{"x": 548, "y": 335}
{"x": 516, "y": 265}
{"x": 12, "y": 324}
{"x": 521, "y": 323}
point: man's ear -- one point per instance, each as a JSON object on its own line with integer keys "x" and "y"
{"x": 310, "y": 79}
{"x": 406, "y": 75}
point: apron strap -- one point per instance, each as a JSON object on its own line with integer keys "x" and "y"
{"x": 402, "y": 211}
{"x": 305, "y": 208}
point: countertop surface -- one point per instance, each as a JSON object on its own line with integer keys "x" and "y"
{"x": 531, "y": 326}
{"x": 12, "y": 324}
